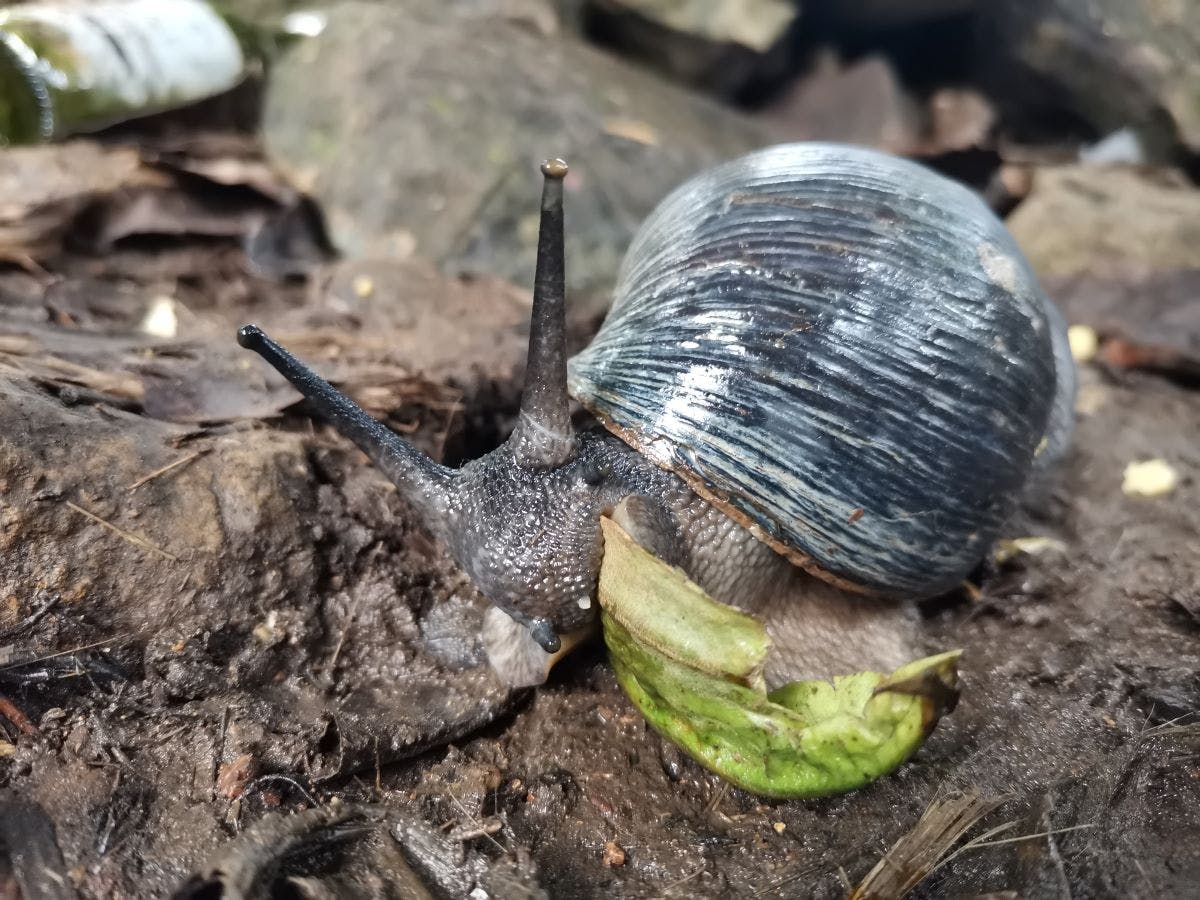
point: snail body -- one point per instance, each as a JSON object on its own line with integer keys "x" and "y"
{"x": 816, "y": 354}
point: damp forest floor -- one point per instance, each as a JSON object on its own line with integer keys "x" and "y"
{"x": 215, "y": 617}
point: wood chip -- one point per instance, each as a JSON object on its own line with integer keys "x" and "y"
{"x": 235, "y": 775}
{"x": 1028, "y": 546}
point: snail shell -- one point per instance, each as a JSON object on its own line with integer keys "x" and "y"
{"x": 843, "y": 350}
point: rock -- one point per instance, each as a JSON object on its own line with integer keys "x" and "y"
{"x": 1148, "y": 321}
{"x": 1108, "y": 220}
{"x": 1113, "y": 63}
{"x": 718, "y": 47}
{"x": 1157, "y": 308}
{"x": 959, "y": 119}
{"x": 865, "y": 103}
{"x": 419, "y": 129}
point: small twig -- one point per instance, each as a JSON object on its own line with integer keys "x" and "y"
{"x": 1064, "y": 881}
{"x": 711, "y": 806}
{"x": 182, "y": 461}
{"x": 980, "y": 841}
{"x": 126, "y": 535}
{"x": 1170, "y": 727}
{"x": 923, "y": 849}
{"x": 218, "y": 752}
{"x": 109, "y": 824}
{"x": 478, "y": 824}
{"x": 350, "y": 614}
{"x": 378, "y": 770}
{"x": 32, "y": 619}
{"x": 10, "y": 711}
{"x": 478, "y": 828}
{"x": 439, "y": 451}
{"x": 33, "y": 662}
{"x": 844, "y": 878}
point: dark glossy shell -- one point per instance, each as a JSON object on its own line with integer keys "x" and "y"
{"x": 846, "y": 351}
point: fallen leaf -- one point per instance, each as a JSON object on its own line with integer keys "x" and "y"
{"x": 43, "y": 190}
{"x": 693, "y": 667}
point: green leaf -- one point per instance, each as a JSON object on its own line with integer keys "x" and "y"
{"x": 693, "y": 667}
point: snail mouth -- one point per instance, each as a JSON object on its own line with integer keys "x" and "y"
{"x": 643, "y": 444}
{"x": 544, "y": 635}
{"x": 517, "y": 658}
{"x": 541, "y": 630}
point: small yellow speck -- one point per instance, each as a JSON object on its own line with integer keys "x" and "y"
{"x": 1084, "y": 342}
{"x": 178, "y": 646}
{"x": 1030, "y": 546}
{"x": 779, "y": 827}
{"x": 363, "y": 286}
{"x": 6, "y": 749}
{"x": 265, "y": 633}
{"x": 160, "y": 319}
{"x": 635, "y": 130}
{"x": 1149, "y": 478}
{"x": 1110, "y": 721}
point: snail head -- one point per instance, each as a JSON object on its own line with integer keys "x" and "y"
{"x": 522, "y": 521}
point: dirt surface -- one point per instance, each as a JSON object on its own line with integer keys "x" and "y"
{"x": 269, "y": 610}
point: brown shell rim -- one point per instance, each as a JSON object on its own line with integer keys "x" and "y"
{"x": 796, "y": 557}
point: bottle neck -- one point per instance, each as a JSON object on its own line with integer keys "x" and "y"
{"x": 24, "y": 116}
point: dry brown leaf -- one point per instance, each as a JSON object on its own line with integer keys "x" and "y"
{"x": 43, "y": 189}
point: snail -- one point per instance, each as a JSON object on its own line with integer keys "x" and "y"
{"x": 824, "y": 381}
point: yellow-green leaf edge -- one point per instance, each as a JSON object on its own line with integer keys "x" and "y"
{"x": 806, "y": 739}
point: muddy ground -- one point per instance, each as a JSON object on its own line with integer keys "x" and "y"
{"x": 227, "y": 649}
{"x": 268, "y": 630}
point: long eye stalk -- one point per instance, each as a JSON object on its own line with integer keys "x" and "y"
{"x": 544, "y": 437}
{"x": 420, "y": 480}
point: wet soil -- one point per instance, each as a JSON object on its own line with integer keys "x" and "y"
{"x": 214, "y": 614}
{"x": 269, "y": 630}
